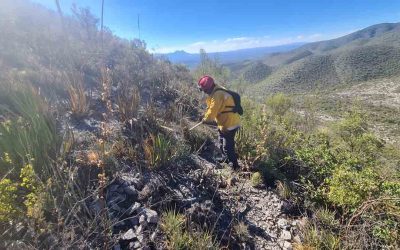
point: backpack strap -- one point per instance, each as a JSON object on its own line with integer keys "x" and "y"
{"x": 230, "y": 111}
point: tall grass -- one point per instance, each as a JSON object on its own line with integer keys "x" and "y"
{"x": 78, "y": 100}
{"x": 178, "y": 236}
{"x": 28, "y": 134}
{"x": 158, "y": 150}
{"x": 128, "y": 101}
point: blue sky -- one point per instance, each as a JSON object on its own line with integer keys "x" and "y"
{"x": 221, "y": 25}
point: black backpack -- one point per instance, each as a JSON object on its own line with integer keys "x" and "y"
{"x": 236, "y": 99}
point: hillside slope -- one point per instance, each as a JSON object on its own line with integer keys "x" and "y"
{"x": 371, "y": 53}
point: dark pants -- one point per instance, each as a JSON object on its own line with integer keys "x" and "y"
{"x": 227, "y": 146}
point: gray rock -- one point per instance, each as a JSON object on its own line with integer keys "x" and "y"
{"x": 130, "y": 180}
{"x": 273, "y": 235}
{"x": 287, "y": 246}
{"x": 283, "y": 223}
{"x": 133, "y": 208}
{"x": 152, "y": 216}
{"x": 140, "y": 238}
{"x": 129, "y": 235}
{"x": 142, "y": 219}
{"x": 297, "y": 239}
{"x": 117, "y": 247}
{"x": 135, "y": 245}
{"x": 146, "y": 192}
{"x": 153, "y": 236}
{"x": 140, "y": 229}
{"x": 286, "y": 235}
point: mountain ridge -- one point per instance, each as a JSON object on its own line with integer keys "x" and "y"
{"x": 192, "y": 59}
{"x": 369, "y": 53}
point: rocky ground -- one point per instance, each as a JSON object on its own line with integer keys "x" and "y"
{"x": 261, "y": 210}
{"x": 209, "y": 195}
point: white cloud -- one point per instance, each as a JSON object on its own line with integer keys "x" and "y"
{"x": 235, "y": 43}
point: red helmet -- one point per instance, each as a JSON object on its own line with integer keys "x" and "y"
{"x": 206, "y": 83}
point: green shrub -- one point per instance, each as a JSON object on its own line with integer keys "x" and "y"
{"x": 279, "y": 104}
{"x": 319, "y": 156}
{"x": 173, "y": 224}
{"x": 35, "y": 191}
{"x": 387, "y": 232}
{"x": 349, "y": 188}
{"x": 341, "y": 167}
{"x": 256, "y": 179}
{"x": 362, "y": 147}
{"x": 8, "y": 200}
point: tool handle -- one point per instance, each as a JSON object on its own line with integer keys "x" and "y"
{"x": 195, "y": 126}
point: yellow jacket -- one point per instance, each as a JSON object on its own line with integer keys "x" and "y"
{"x": 217, "y": 103}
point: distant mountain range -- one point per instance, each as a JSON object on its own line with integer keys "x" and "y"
{"x": 370, "y": 53}
{"x": 191, "y": 60}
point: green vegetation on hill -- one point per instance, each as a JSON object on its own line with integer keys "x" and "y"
{"x": 339, "y": 170}
{"x": 371, "y": 53}
{"x": 256, "y": 72}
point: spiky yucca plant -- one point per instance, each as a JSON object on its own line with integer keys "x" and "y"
{"x": 157, "y": 150}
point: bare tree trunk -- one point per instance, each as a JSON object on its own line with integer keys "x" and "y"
{"x": 59, "y": 9}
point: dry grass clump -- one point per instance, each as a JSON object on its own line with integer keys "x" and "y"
{"x": 128, "y": 101}
{"x": 319, "y": 238}
{"x": 124, "y": 149}
{"x": 78, "y": 100}
{"x": 283, "y": 189}
{"x": 242, "y": 231}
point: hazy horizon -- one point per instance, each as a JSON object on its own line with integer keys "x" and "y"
{"x": 219, "y": 26}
